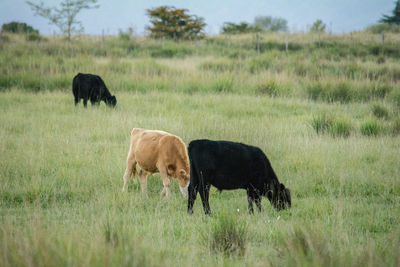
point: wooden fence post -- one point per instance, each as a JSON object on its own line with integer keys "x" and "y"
{"x": 383, "y": 37}
{"x": 286, "y": 42}
{"x": 258, "y": 43}
{"x": 319, "y": 38}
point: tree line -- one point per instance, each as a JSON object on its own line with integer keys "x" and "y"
{"x": 175, "y": 23}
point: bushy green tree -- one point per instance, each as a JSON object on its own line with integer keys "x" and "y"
{"x": 242, "y": 27}
{"x": 318, "y": 26}
{"x": 171, "y": 22}
{"x": 18, "y": 27}
{"x": 271, "y": 24}
{"x": 383, "y": 27}
{"x": 395, "y": 18}
{"x": 64, "y": 17}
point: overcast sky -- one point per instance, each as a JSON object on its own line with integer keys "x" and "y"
{"x": 340, "y": 15}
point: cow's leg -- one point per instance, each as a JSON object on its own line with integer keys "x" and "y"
{"x": 143, "y": 180}
{"x": 257, "y": 200}
{"x": 166, "y": 182}
{"x": 250, "y": 198}
{"x": 204, "y": 191}
{"x": 76, "y": 100}
{"x": 129, "y": 172}
{"x": 192, "y": 196}
{"x": 94, "y": 101}
{"x": 85, "y": 102}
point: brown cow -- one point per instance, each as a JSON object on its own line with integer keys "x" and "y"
{"x": 157, "y": 151}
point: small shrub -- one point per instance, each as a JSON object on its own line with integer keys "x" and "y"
{"x": 257, "y": 65}
{"x": 228, "y": 236}
{"x": 270, "y": 88}
{"x": 341, "y": 128}
{"x": 380, "y": 60}
{"x": 238, "y": 54}
{"x": 396, "y": 98}
{"x": 375, "y": 50}
{"x": 351, "y": 70}
{"x": 119, "y": 67}
{"x": 322, "y": 123}
{"x": 380, "y": 111}
{"x": 300, "y": 68}
{"x": 4, "y": 38}
{"x": 151, "y": 68}
{"x": 34, "y": 36}
{"x": 124, "y": 36}
{"x": 371, "y": 128}
{"x": 339, "y": 93}
{"x": 383, "y": 27}
{"x": 219, "y": 66}
{"x": 315, "y": 91}
{"x": 110, "y": 236}
{"x": 18, "y": 27}
{"x": 379, "y": 90}
{"x": 273, "y": 45}
{"x": 171, "y": 50}
{"x": 223, "y": 85}
{"x": 395, "y": 127}
{"x": 307, "y": 247}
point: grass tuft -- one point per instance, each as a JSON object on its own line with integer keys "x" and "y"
{"x": 341, "y": 128}
{"x": 380, "y": 111}
{"x": 228, "y": 236}
{"x": 322, "y": 123}
{"x": 309, "y": 247}
{"x": 217, "y": 66}
{"x": 270, "y": 88}
{"x": 395, "y": 126}
{"x": 371, "y": 128}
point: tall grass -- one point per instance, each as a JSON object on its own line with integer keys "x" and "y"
{"x": 371, "y": 128}
{"x": 327, "y": 74}
{"x": 61, "y": 173}
{"x": 228, "y": 236}
{"x": 61, "y": 166}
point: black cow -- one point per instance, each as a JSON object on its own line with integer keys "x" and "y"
{"x": 229, "y": 165}
{"x": 92, "y": 87}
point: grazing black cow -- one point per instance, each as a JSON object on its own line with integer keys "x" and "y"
{"x": 92, "y": 87}
{"x": 229, "y": 165}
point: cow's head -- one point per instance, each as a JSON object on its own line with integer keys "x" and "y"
{"x": 183, "y": 179}
{"x": 283, "y": 198}
{"x": 280, "y": 197}
{"x": 111, "y": 101}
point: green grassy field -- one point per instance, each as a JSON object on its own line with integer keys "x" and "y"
{"x": 329, "y": 123}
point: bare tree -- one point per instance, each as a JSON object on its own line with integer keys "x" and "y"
{"x": 64, "y": 17}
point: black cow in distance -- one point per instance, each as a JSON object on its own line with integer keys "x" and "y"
{"x": 92, "y": 87}
{"x": 229, "y": 165}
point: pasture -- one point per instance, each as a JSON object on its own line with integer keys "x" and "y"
{"x": 327, "y": 118}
